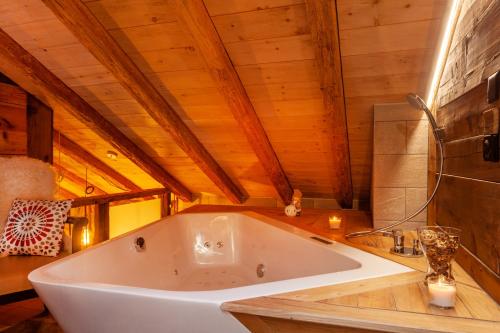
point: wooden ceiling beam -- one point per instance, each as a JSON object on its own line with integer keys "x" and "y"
{"x": 63, "y": 193}
{"x": 322, "y": 16}
{"x": 77, "y": 180}
{"x": 89, "y": 31}
{"x": 82, "y": 156}
{"x": 32, "y": 75}
{"x": 197, "y": 20}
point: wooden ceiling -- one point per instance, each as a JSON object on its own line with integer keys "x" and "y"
{"x": 387, "y": 48}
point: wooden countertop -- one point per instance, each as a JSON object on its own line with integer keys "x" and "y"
{"x": 396, "y": 303}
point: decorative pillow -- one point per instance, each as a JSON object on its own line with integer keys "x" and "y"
{"x": 35, "y": 227}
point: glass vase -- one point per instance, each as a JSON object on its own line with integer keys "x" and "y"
{"x": 440, "y": 244}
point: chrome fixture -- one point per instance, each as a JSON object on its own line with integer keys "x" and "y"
{"x": 206, "y": 244}
{"x": 418, "y": 103}
{"x": 261, "y": 269}
{"x": 140, "y": 244}
{"x": 399, "y": 245}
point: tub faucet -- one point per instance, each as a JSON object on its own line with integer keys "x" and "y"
{"x": 399, "y": 244}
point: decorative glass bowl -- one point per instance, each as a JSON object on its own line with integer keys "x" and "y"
{"x": 440, "y": 244}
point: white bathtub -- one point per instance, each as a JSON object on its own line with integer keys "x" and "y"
{"x": 190, "y": 265}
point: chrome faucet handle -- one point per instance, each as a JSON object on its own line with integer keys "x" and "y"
{"x": 399, "y": 240}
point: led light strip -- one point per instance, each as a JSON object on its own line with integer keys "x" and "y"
{"x": 443, "y": 51}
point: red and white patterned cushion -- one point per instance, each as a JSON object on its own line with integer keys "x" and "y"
{"x": 35, "y": 227}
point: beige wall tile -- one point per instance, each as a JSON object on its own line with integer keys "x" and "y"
{"x": 400, "y": 171}
{"x": 415, "y": 198}
{"x": 396, "y": 111}
{"x": 417, "y": 137}
{"x": 389, "y": 204}
{"x": 389, "y": 137}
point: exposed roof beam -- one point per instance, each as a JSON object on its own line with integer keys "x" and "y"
{"x": 322, "y": 16}
{"x": 29, "y": 73}
{"x": 77, "y": 180}
{"x": 89, "y": 31}
{"x": 109, "y": 198}
{"x": 63, "y": 193}
{"x": 196, "y": 18}
{"x": 82, "y": 156}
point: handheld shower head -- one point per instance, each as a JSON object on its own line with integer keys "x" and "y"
{"x": 418, "y": 103}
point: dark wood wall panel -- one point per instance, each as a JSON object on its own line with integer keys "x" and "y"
{"x": 474, "y": 207}
{"x": 13, "y": 138}
{"x": 469, "y": 196}
{"x": 40, "y": 125}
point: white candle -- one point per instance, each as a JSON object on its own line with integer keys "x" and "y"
{"x": 442, "y": 293}
{"x": 334, "y": 222}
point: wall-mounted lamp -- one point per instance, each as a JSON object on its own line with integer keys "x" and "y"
{"x": 85, "y": 241}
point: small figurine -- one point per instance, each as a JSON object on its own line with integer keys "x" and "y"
{"x": 297, "y": 201}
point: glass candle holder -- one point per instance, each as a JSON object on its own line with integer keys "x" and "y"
{"x": 334, "y": 222}
{"x": 440, "y": 244}
{"x": 442, "y": 292}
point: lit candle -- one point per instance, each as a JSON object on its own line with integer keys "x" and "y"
{"x": 442, "y": 293}
{"x": 334, "y": 222}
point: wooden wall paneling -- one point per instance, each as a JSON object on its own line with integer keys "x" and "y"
{"x": 211, "y": 47}
{"x": 216, "y": 7}
{"x": 270, "y": 50}
{"x": 381, "y": 64}
{"x": 18, "y": 63}
{"x": 473, "y": 206}
{"x": 13, "y": 120}
{"x": 481, "y": 273}
{"x": 40, "y": 126}
{"x": 355, "y": 14}
{"x": 94, "y": 36}
{"x": 388, "y": 38}
{"x": 78, "y": 153}
{"x": 115, "y": 14}
{"x": 324, "y": 30}
{"x": 463, "y": 117}
{"x": 271, "y": 39}
{"x": 476, "y": 52}
{"x": 468, "y": 196}
{"x": 270, "y": 23}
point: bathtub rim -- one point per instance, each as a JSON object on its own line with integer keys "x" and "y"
{"x": 367, "y": 269}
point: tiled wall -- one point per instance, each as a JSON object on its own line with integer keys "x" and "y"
{"x": 399, "y": 183}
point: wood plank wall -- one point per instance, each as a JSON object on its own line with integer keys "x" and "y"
{"x": 25, "y": 123}
{"x": 469, "y": 197}
{"x": 13, "y": 137}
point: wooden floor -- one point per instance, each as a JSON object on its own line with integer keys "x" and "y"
{"x": 14, "y": 313}
{"x": 27, "y": 317}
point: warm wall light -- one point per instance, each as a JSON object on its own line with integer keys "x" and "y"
{"x": 85, "y": 237}
{"x": 443, "y": 51}
{"x": 112, "y": 155}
